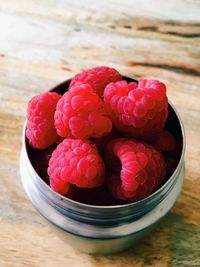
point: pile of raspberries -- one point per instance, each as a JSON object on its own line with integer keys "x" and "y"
{"x": 108, "y": 133}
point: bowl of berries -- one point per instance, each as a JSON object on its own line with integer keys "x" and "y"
{"x": 103, "y": 158}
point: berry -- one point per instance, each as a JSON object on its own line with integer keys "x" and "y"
{"x": 142, "y": 169}
{"x": 167, "y": 144}
{"x": 40, "y": 128}
{"x": 97, "y": 77}
{"x": 75, "y": 162}
{"x": 80, "y": 113}
{"x": 138, "y": 110}
{"x": 163, "y": 141}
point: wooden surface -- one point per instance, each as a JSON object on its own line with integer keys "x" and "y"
{"x": 44, "y": 42}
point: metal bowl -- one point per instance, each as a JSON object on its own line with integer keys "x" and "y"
{"x": 102, "y": 229}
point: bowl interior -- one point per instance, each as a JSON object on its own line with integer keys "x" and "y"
{"x": 39, "y": 159}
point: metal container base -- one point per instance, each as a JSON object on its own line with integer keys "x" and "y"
{"x": 101, "y": 246}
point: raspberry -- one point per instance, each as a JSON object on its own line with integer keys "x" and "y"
{"x": 40, "y": 128}
{"x": 97, "y": 77}
{"x": 142, "y": 169}
{"x": 138, "y": 110}
{"x": 80, "y": 113}
{"x": 164, "y": 141}
{"x": 75, "y": 162}
{"x": 168, "y": 145}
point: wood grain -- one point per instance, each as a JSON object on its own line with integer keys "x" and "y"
{"x": 44, "y": 42}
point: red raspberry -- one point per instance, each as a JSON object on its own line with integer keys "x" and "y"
{"x": 40, "y": 128}
{"x": 163, "y": 141}
{"x": 76, "y": 162}
{"x": 142, "y": 169}
{"x": 80, "y": 113}
{"x": 138, "y": 110}
{"x": 97, "y": 77}
{"x": 168, "y": 145}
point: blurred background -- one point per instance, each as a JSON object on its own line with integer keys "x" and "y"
{"x": 43, "y": 42}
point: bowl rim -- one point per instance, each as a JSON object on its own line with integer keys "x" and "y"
{"x": 104, "y": 207}
{"x": 99, "y": 232}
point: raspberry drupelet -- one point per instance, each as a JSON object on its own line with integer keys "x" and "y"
{"x": 80, "y": 113}
{"x": 141, "y": 169}
{"x": 75, "y": 162}
{"x": 138, "y": 110}
{"x": 40, "y": 128}
{"x": 97, "y": 77}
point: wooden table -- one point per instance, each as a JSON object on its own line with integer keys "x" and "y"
{"x": 44, "y": 42}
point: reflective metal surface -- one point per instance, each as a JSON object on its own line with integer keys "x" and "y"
{"x": 99, "y": 238}
{"x": 102, "y": 229}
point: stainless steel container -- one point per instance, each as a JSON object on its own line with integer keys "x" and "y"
{"x": 102, "y": 229}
